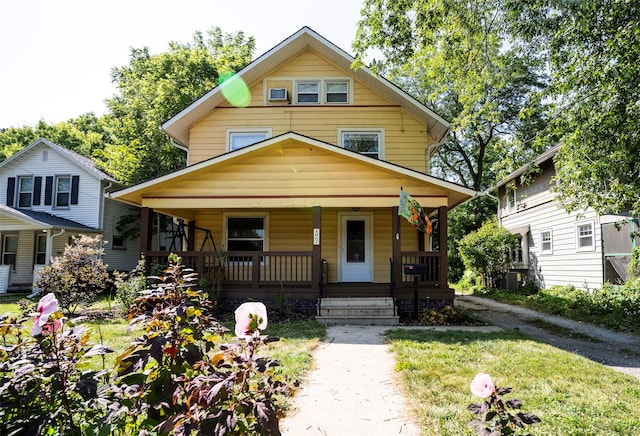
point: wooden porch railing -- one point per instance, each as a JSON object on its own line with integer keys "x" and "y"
{"x": 254, "y": 268}
{"x": 429, "y": 258}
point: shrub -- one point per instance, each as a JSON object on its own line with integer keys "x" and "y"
{"x": 129, "y": 286}
{"x": 633, "y": 270}
{"x": 487, "y": 251}
{"x": 448, "y": 315}
{"x": 77, "y": 276}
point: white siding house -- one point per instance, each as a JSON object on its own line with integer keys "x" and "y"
{"x": 559, "y": 248}
{"x": 47, "y": 195}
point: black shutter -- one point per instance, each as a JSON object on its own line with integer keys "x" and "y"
{"x": 48, "y": 190}
{"x": 75, "y": 181}
{"x": 37, "y": 189}
{"x": 11, "y": 190}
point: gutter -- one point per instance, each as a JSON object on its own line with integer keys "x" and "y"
{"x": 181, "y": 147}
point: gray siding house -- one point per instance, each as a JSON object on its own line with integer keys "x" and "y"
{"x": 581, "y": 248}
{"x": 47, "y": 195}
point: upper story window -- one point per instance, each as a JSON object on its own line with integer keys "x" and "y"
{"x": 337, "y": 91}
{"x": 367, "y": 142}
{"x": 546, "y": 242}
{"x": 512, "y": 199}
{"x": 25, "y": 191}
{"x": 308, "y": 91}
{"x": 240, "y": 138}
{"x": 585, "y": 240}
{"x": 63, "y": 191}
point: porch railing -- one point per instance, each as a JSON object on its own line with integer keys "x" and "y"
{"x": 431, "y": 260}
{"x": 254, "y": 268}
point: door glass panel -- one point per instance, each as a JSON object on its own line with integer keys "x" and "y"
{"x": 355, "y": 242}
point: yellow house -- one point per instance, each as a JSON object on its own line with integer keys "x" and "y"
{"x": 295, "y": 167}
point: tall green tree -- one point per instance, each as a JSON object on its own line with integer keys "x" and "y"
{"x": 593, "y": 50}
{"x": 154, "y": 88}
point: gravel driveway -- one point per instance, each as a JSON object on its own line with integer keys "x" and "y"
{"x": 618, "y": 351}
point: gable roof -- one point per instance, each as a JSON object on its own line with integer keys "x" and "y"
{"x": 178, "y": 127}
{"x": 136, "y": 194}
{"x": 542, "y": 158}
{"x": 82, "y": 161}
{"x": 43, "y": 220}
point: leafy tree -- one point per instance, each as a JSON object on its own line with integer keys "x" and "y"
{"x": 154, "y": 88}
{"x": 459, "y": 60}
{"x": 487, "y": 251}
{"x": 593, "y": 48}
{"x": 77, "y": 276}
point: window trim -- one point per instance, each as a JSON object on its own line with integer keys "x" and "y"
{"x": 19, "y": 191}
{"x": 592, "y": 247}
{"x": 511, "y": 198}
{"x": 322, "y": 83}
{"x": 246, "y": 130}
{"x": 541, "y": 241}
{"x": 297, "y": 93}
{"x": 4, "y": 249}
{"x": 325, "y": 92}
{"x": 56, "y": 192}
{"x": 265, "y": 221}
{"x": 36, "y": 251}
{"x": 380, "y": 131}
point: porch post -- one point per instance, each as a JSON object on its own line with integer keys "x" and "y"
{"x": 316, "y": 251}
{"x": 146, "y": 228}
{"x": 395, "y": 247}
{"x": 191, "y": 236}
{"x": 443, "y": 247}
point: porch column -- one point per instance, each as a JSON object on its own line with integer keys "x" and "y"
{"x": 146, "y": 227}
{"x": 443, "y": 247}
{"x": 316, "y": 251}
{"x": 396, "y": 256}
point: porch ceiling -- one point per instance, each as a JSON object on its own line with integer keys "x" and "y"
{"x": 290, "y": 171}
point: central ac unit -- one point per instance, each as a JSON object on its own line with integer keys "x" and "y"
{"x": 277, "y": 94}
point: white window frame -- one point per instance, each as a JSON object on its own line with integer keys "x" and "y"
{"x": 56, "y": 205}
{"x": 36, "y": 250}
{"x": 379, "y": 131}
{"x": 246, "y": 131}
{"x": 511, "y": 197}
{"x": 326, "y": 93}
{"x": 579, "y": 236}
{"x": 316, "y": 82}
{"x": 541, "y": 236}
{"x": 20, "y": 191}
{"x": 265, "y": 239}
{"x": 14, "y": 253}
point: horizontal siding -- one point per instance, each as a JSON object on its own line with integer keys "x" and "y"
{"x": 24, "y": 261}
{"x": 118, "y": 259}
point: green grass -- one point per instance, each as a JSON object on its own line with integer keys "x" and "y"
{"x": 572, "y": 395}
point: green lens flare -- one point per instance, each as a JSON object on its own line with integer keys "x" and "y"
{"x": 235, "y": 90}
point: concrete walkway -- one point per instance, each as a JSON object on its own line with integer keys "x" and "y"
{"x": 352, "y": 389}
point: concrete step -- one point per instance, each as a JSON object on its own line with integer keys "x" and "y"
{"x": 358, "y": 302}
{"x": 360, "y": 320}
{"x": 357, "y": 311}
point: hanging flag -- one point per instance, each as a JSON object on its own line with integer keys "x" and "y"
{"x": 412, "y": 211}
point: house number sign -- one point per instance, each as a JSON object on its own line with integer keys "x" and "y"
{"x": 316, "y": 236}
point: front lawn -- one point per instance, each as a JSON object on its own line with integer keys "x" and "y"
{"x": 572, "y": 395}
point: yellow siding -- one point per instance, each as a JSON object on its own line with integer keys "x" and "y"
{"x": 405, "y": 138}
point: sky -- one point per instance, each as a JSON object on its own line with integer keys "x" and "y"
{"x": 56, "y": 56}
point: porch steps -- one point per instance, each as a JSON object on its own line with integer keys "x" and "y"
{"x": 357, "y": 311}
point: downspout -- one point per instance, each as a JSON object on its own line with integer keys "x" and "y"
{"x": 50, "y": 245}
{"x": 105, "y": 195}
{"x": 181, "y": 147}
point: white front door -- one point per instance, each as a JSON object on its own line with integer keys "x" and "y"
{"x": 355, "y": 249}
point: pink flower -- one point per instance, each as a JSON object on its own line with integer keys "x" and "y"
{"x": 46, "y": 307}
{"x": 249, "y": 318}
{"x": 482, "y": 386}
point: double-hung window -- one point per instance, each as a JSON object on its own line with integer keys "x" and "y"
{"x": 41, "y": 249}
{"x": 25, "y": 191}
{"x": 336, "y": 91}
{"x": 308, "y": 91}
{"x": 366, "y": 142}
{"x": 512, "y": 199}
{"x": 246, "y": 233}
{"x": 63, "y": 191}
{"x": 329, "y": 91}
{"x": 10, "y": 250}
{"x": 546, "y": 242}
{"x": 240, "y": 138}
{"x": 584, "y": 237}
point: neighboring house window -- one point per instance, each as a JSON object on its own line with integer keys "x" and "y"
{"x": 63, "y": 191}
{"x": 336, "y": 91}
{"x": 41, "y": 249}
{"x": 240, "y": 138}
{"x": 25, "y": 191}
{"x": 512, "y": 199}
{"x": 367, "y": 142}
{"x": 10, "y": 250}
{"x": 246, "y": 233}
{"x": 118, "y": 242}
{"x": 308, "y": 91}
{"x": 584, "y": 237}
{"x": 546, "y": 242}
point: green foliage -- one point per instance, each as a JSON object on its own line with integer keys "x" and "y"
{"x": 634, "y": 265}
{"x": 128, "y": 286}
{"x": 592, "y": 49}
{"x": 77, "y": 276}
{"x": 448, "y": 315}
{"x": 177, "y": 379}
{"x": 43, "y": 391}
{"x": 487, "y": 251}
